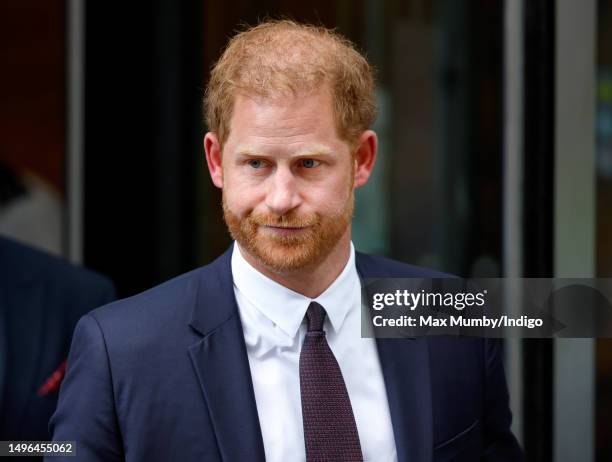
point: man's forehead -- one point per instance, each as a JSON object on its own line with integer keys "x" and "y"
{"x": 310, "y": 150}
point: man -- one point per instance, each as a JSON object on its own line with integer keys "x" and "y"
{"x": 41, "y": 299}
{"x": 258, "y": 355}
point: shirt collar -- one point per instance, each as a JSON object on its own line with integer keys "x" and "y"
{"x": 286, "y": 308}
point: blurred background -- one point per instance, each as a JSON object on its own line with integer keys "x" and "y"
{"x": 495, "y": 159}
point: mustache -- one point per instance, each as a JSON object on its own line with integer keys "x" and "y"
{"x": 290, "y": 220}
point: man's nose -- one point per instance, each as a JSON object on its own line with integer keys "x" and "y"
{"x": 283, "y": 195}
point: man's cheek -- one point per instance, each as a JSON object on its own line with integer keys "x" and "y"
{"x": 239, "y": 200}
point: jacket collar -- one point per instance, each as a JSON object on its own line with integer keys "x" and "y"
{"x": 221, "y": 365}
{"x": 215, "y": 303}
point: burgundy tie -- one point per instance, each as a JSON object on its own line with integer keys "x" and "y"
{"x": 330, "y": 432}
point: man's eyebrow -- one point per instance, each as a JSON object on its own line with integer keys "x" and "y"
{"x": 247, "y": 153}
{"x": 314, "y": 153}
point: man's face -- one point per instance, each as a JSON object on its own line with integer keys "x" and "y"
{"x": 287, "y": 180}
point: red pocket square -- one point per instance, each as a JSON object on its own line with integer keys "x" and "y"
{"x": 52, "y": 384}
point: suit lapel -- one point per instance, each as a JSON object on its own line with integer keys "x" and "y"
{"x": 405, "y": 366}
{"x": 221, "y": 364}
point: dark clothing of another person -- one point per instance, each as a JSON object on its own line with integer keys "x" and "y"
{"x": 41, "y": 299}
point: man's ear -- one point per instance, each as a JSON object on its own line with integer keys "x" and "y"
{"x": 365, "y": 156}
{"x": 212, "y": 147}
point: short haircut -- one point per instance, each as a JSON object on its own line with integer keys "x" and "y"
{"x": 282, "y": 57}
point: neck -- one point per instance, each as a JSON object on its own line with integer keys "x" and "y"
{"x": 310, "y": 281}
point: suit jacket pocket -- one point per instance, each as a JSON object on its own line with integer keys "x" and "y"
{"x": 465, "y": 445}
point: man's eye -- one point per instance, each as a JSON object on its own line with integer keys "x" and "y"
{"x": 256, "y": 163}
{"x": 309, "y": 163}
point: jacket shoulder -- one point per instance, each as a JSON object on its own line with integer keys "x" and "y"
{"x": 155, "y": 323}
{"x": 167, "y": 311}
{"x": 374, "y": 266}
{"x": 169, "y": 298}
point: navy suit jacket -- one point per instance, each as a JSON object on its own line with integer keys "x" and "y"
{"x": 41, "y": 299}
{"x": 164, "y": 375}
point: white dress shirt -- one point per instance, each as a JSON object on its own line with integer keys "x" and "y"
{"x": 272, "y": 320}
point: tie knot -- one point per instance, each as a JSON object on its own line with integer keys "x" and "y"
{"x": 315, "y": 316}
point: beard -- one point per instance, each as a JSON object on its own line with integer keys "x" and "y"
{"x": 287, "y": 253}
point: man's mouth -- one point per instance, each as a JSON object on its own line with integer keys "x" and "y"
{"x": 283, "y": 230}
